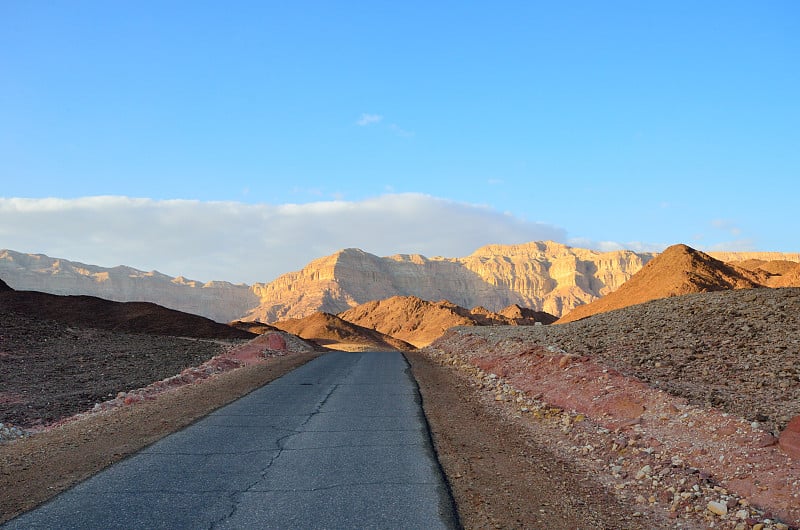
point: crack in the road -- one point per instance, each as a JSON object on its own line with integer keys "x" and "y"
{"x": 235, "y": 496}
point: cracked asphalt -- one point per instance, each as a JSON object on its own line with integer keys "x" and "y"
{"x": 340, "y": 442}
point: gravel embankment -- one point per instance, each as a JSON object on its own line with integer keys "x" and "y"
{"x": 738, "y": 351}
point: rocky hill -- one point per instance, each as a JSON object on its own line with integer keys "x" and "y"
{"x": 682, "y": 270}
{"x": 123, "y": 317}
{"x": 777, "y": 273}
{"x": 331, "y": 331}
{"x": 680, "y": 402}
{"x": 543, "y": 276}
{"x": 420, "y": 322}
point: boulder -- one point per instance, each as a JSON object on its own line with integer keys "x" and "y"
{"x": 275, "y": 341}
{"x": 789, "y": 440}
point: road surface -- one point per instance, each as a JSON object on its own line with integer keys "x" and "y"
{"x": 340, "y": 442}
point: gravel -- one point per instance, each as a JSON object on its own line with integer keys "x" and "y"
{"x": 738, "y": 351}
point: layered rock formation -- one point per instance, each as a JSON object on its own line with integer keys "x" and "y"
{"x": 544, "y": 276}
{"x": 220, "y": 301}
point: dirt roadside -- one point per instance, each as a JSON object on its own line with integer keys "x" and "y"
{"x": 37, "y": 468}
{"x": 499, "y": 475}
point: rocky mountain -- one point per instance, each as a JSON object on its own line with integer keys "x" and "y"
{"x": 542, "y": 276}
{"x": 677, "y": 271}
{"x": 330, "y": 330}
{"x": 219, "y": 301}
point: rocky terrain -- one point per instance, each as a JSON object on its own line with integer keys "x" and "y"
{"x": 543, "y": 276}
{"x": 684, "y": 406}
{"x": 331, "y": 331}
{"x": 219, "y": 301}
{"x": 419, "y": 322}
{"x": 683, "y": 270}
{"x": 61, "y": 355}
{"x": 673, "y": 404}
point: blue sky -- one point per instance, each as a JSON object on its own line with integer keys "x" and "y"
{"x": 601, "y": 124}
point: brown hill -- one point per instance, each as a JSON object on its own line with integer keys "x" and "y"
{"x": 130, "y": 317}
{"x": 259, "y": 328}
{"x": 409, "y": 318}
{"x": 4, "y": 286}
{"x": 333, "y": 332}
{"x": 62, "y": 354}
{"x": 775, "y": 273}
{"x": 790, "y": 278}
{"x": 523, "y": 316}
{"x": 677, "y": 271}
{"x": 420, "y": 322}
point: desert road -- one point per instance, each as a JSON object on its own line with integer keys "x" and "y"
{"x": 340, "y": 442}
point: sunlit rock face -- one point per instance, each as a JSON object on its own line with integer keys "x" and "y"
{"x": 36, "y": 272}
{"x": 544, "y": 276}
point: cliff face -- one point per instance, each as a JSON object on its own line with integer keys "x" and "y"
{"x": 220, "y": 301}
{"x": 544, "y": 276}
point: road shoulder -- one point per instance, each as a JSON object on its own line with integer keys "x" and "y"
{"x": 499, "y": 475}
{"x": 37, "y": 468}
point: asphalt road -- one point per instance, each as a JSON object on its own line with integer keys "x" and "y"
{"x": 340, "y": 442}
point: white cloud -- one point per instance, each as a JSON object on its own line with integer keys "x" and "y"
{"x": 369, "y": 119}
{"x": 252, "y": 242}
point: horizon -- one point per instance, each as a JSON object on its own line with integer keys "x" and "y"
{"x": 256, "y": 137}
{"x": 792, "y": 256}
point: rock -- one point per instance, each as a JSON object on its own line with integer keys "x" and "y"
{"x": 718, "y": 508}
{"x": 275, "y": 341}
{"x": 219, "y": 301}
{"x": 548, "y": 276}
{"x": 789, "y": 440}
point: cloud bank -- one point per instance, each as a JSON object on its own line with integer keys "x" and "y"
{"x": 251, "y": 243}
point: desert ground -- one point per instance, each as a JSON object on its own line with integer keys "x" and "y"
{"x": 580, "y": 425}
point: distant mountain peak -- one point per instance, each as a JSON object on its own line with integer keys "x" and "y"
{"x": 679, "y": 270}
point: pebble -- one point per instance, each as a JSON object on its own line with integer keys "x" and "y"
{"x": 10, "y": 432}
{"x": 643, "y": 472}
{"x": 719, "y": 508}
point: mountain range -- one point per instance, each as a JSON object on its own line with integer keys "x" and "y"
{"x": 542, "y": 276}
